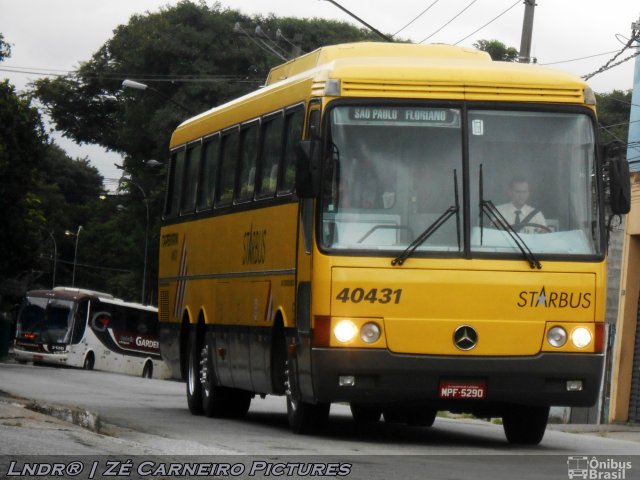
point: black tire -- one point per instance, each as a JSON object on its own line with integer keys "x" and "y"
{"x": 421, "y": 417}
{"x": 217, "y": 401}
{"x": 278, "y": 360}
{"x": 303, "y": 417}
{"x": 365, "y": 413}
{"x": 194, "y": 385}
{"x": 89, "y": 362}
{"x": 147, "y": 371}
{"x": 525, "y": 425}
{"x": 394, "y": 414}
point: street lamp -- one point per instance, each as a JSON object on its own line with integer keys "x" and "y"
{"x": 75, "y": 255}
{"x": 143, "y": 86}
{"x": 146, "y": 232}
{"x": 55, "y": 259}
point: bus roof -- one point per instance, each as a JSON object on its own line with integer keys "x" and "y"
{"x": 392, "y": 70}
{"x": 371, "y": 50}
{"x": 74, "y": 294}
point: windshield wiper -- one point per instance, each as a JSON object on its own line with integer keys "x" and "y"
{"x": 488, "y": 208}
{"x": 431, "y": 229}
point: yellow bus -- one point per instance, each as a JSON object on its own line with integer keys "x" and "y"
{"x": 343, "y": 234}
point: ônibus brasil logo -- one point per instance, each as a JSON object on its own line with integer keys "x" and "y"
{"x": 596, "y": 469}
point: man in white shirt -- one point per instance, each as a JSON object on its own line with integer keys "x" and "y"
{"x": 522, "y": 217}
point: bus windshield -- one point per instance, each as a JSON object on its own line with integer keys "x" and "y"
{"x": 44, "y": 320}
{"x": 393, "y": 178}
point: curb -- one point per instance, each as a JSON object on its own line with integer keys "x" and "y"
{"x": 77, "y": 416}
{"x": 74, "y": 415}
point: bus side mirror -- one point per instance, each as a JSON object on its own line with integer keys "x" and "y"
{"x": 308, "y": 169}
{"x": 619, "y": 180}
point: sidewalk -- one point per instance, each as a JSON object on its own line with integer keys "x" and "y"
{"x": 628, "y": 432}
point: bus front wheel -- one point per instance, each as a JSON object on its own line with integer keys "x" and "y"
{"x": 365, "y": 413}
{"x": 303, "y": 417}
{"x": 89, "y": 362}
{"x": 525, "y": 425}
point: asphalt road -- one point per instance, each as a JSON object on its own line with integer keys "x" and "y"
{"x": 142, "y": 416}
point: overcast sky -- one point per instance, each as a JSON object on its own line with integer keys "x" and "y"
{"x": 52, "y": 35}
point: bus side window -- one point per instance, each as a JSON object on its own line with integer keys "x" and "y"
{"x": 227, "y": 170}
{"x": 192, "y": 162}
{"x": 208, "y": 172}
{"x": 293, "y": 135}
{"x": 174, "y": 183}
{"x": 271, "y": 152}
{"x": 248, "y": 157}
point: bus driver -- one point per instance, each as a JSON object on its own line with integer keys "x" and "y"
{"x": 522, "y": 217}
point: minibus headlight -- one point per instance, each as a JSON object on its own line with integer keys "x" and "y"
{"x": 557, "y": 337}
{"x": 581, "y": 337}
{"x": 345, "y": 331}
{"x": 370, "y": 333}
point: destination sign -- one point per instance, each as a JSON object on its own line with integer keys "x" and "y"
{"x": 445, "y": 117}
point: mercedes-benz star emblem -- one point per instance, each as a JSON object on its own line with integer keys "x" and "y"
{"x": 465, "y": 337}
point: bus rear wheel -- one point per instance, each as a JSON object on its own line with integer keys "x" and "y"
{"x": 525, "y": 425}
{"x": 217, "y": 401}
{"x": 147, "y": 371}
{"x": 194, "y": 387}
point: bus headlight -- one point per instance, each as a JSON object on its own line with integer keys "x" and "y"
{"x": 370, "y": 333}
{"x": 581, "y": 337}
{"x": 557, "y": 337}
{"x": 345, "y": 331}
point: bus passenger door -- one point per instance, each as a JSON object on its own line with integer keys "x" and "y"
{"x": 301, "y": 364}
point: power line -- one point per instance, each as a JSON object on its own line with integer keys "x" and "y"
{"x": 147, "y": 77}
{"x": 488, "y": 23}
{"x": 456, "y": 16}
{"x": 417, "y": 17}
{"x": 609, "y": 65}
{"x": 373, "y": 29}
{"x": 579, "y": 58}
{"x": 262, "y": 45}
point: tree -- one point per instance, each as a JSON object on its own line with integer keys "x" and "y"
{"x": 613, "y": 115}
{"x": 192, "y": 54}
{"x": 5, "y": 48}
{"x": 22, "y": 144}
{"x": 498, "y": 50}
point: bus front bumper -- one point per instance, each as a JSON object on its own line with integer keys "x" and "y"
{"x": 50, "y": 358}
{"x": 380, "y": 376}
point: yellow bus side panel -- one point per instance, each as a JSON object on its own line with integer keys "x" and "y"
{"x": 234, "y": 269}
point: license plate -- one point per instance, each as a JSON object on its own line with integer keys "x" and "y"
{"x": 462, "y": 390}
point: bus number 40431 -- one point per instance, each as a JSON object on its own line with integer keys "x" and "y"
{"x": 374, "y": 295}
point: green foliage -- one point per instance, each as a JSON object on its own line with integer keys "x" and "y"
{"x": 22, "y": 144}
{"x": 613, "y": 115}
{"x": 5, "y": 48}
{"x": 498, "y": 50}
{"x": 192, "y": 44}
{"x": 188, "y": 52}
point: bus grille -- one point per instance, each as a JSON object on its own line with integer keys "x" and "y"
{"x": 442, "y": 91}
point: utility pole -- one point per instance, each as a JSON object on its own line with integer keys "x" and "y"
{"x": 527, "y": 31}
{"x": 633, "y": 142}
